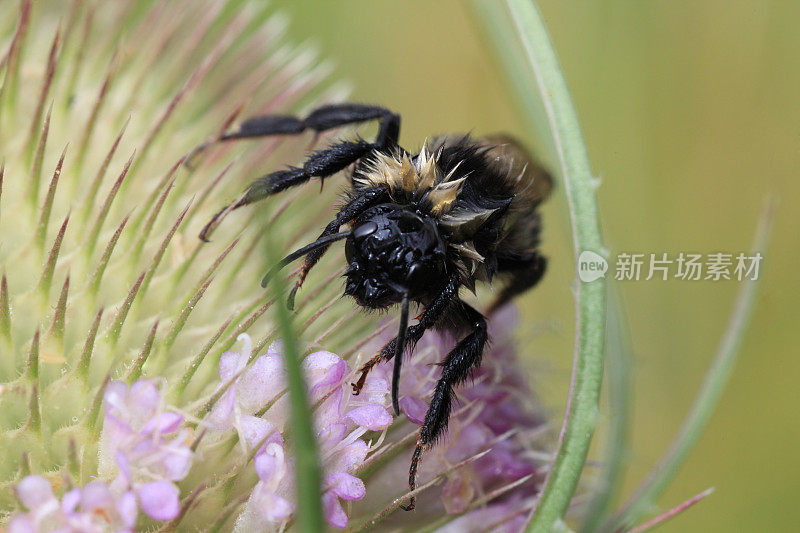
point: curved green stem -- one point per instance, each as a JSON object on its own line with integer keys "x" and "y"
{"x": 590, "y": 298}
{"x": 619, "y": 355}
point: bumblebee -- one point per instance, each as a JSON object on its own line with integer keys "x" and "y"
{"x": 419, "y": 228}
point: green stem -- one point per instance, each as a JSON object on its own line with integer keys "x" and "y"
{"x": 500, "y": 34}
{"x": 619, "y": 390}
{"x": 307, "y": 471}
{"x": 713, "y": 384}
{"x": 579, "y": 185}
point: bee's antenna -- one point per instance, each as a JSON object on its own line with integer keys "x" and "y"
{"x": 322, "y": 241}
{"x": 399, "y": 348}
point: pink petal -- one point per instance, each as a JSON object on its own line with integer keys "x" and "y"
{"x": 115, "y": 394}
{"x": 330, "y": 411}
{"x": 230, "y": 363}
{"x": 96, "y": 495}
{"x": 159, "y": 500}
{"x": 21, "y": 524}
{"x": 414, "y": 409}
{"x": 350, "y": 457}
{"x": 346, "y": 486}
{"x": 269, "y": 463}
{"x": 277, "y": 509}
{"x": 334, "y": 514}
{"x": 163, "y": 423}
{"x": 323, "y": 370}
{"x": 115, "y": 430}
{"x": 332, "y": 434}
{"x": 254, "y": 430}
{"x": 124, "y": 466}
{"x": 127, "y": 509}
{"x": 376, "y": 390}
{"x": 35, "y": 492}
{"x": 70, "y": 500}
{"x": 148, "y": 446}
{"x": 176, "y": 462}
{"x": 221, "y": 416}
{"x": 268, "y": 505}
{"x": 143, "y": 396}
{"x": 371, "y": 416}
{"x": 260, "y": 383}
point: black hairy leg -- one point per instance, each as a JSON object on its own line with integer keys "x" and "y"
{"x": 321, "y": 119}
{"x": 526, "y": 270}
{"x": 433, "y": 312}
{"x": 322, "y": 164}
{"x": 352, "y": 209}
{"x": 456, "y": 368}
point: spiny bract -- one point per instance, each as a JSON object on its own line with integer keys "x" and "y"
{"x": 103, "y": 276}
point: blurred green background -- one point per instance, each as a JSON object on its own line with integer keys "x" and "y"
{"x": 690, "y": 113}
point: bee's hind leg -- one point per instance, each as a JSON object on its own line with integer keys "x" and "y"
{"x": 526, "y": 270}
{"x": 456, "y": 368}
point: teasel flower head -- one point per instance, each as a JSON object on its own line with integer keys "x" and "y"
{"x": 141, "y": 381}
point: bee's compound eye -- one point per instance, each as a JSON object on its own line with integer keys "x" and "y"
{"x": 365, "y": 229}
{"x": 415, "y": 273}
{"x": 349, "y": 250}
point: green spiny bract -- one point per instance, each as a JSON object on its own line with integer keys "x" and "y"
{"x": 103, "y": 276}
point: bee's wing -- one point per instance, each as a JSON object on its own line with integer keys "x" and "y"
{"x": 532, "y": 182}
{"x": 532, "y": 185}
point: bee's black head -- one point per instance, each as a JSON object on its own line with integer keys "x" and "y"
{"x": 392, "y": 250}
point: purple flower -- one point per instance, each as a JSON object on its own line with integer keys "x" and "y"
{"x": 493, "y": 416}
{"x": 248, "y": 388}
{"x": 488, "y": 428}
{"x": 144, "y": 447}
{"x": 340, "y": 419}
{"x": 271, "y": 468}
{"x": 494, "y": 412}
{"x": 340, "y": 485}
{"x": 94, "y": 508}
